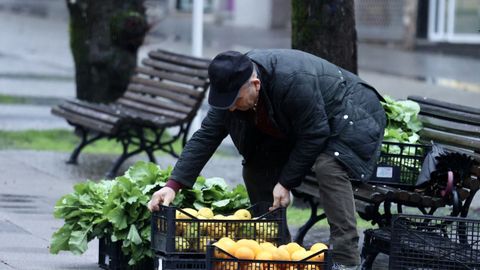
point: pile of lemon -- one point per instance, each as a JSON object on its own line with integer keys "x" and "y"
{"x": 247, "y": 249}
{"x": 187, "y": 234}
{"x": 207, "y": 213}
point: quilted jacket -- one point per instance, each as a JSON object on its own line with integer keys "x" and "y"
{"x": 319, "y": 106}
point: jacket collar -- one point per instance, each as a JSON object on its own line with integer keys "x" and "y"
{"x": 264, "y": 85}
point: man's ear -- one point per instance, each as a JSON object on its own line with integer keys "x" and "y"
{"x": 257, "y": 83}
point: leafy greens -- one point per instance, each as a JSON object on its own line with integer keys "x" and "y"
{"x": 118, "y": 209}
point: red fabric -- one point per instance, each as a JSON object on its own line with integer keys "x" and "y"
{"x": 176, "y": 186}
{"x": 263, "y": 122}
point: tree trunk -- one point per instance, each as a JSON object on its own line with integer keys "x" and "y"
{"x": 104, "y": 38}
{"x": 326, "y": 28}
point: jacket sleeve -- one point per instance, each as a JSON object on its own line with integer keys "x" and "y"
{"x": 200, "y": 148}
{"x": 305, "y": 109}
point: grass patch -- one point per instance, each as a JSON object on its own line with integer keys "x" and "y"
{"x": 63, "y": 140}
{"x": 298, "y": 216}
{"x": 8, "y": 99}
{"x": 4, "y": 99}
{"x": 60, "y": 140}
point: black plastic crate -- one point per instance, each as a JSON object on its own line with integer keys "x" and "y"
{"x": 180, "y": 263}
{"x": 172, "y": 236}
{"x": 399, "y": 164}
{"x": 110, "y": 257}
{"x": 428, "y": 242}
{"x": 228, "y": 262}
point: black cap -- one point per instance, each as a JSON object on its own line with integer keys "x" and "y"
{"x": 228, "y": 71}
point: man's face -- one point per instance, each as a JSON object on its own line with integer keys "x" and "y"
{"x": 247, "y": 96}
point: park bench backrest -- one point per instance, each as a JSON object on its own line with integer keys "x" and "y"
{"x": 165, "y": 91}
{"x": 168, "y": 84}
{"x": 454, "y": 126}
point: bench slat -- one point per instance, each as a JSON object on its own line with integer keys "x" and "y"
{"x": 148, "y": 102}
{"x": 449, "y": 138}
{"x": 77, "y": 119}
{"x": 166, "y": 86}
{"x": 368, "y": 193}
{"x": 171, "y": 76}
{"x": 463, "y": 117}
{"x": 132, "y": 104}
{"x": 202, "y": 73}
{"x": 176, "y": 107}
{"x": 443, "y": 104}
{"x": 91, "y": 113}
{"x": 450, "y": 126}
{"x": 138, "y": 88}
{"x": 180, "y": 59}
{"x": 127, "y": 113}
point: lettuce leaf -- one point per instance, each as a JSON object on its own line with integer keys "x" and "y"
{"x": 118, "y": 208}
{"x": 402, "y": 121}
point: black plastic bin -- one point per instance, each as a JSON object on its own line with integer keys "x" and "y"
{"x": 228, "y": 262}
{"x": 428, "y": 242}
{"x": 172, "y": 236}
{"x": 180, "y": 262}
{"x": 110, "y": 257}
{"x": 399, "y": 164}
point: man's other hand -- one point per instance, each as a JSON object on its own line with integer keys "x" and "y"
{"x": 164, "y": 196}
{"x": 281, "y": 197}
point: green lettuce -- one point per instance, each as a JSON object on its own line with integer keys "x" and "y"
{"x": 403, "y": 124}
{"x": 118, "y": 208}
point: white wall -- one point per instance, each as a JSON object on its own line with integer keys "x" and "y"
{"x": 253, "y": 13}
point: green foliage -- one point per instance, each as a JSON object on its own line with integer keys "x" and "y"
{"x": 118, "y": 208}
{"x": 297, "y": 216}
{"x": 213, "y": 193}
{"x": 60, "y": 140}
{"x": 402, "y": 122}
{"x": 6, "y": 99}
{"x": 82, "y": 211}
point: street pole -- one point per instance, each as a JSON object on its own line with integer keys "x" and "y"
{"x": 197, "y": 28}
{"x": 197, "y": 48}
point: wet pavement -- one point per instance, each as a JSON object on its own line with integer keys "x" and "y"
{"x": 35, "y": 180}
{"x": 36, "y": 66}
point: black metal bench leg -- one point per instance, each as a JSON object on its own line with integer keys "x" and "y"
{"x": 116, "y": 165}
{"x": 84, "y": 142}
{"x": 314, "y": 218}
{"x": 367, "y": 261}
{"x": 369, "y": 252}
{"x": 151, "y": 157}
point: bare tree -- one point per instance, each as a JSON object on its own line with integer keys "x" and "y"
{"x": 104, "y": 39}
{"x": 326, "y": 28}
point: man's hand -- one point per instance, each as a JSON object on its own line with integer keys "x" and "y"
{"x": 281, "y": 197}
{"x": 164, "y": 196}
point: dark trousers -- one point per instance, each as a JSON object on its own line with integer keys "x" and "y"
{"x": 263, "y": 167}
{"x": 336, "y": 197}
{"x": 261, "y": 174}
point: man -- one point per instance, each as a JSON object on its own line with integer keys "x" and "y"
{"x": 288, "y": 112}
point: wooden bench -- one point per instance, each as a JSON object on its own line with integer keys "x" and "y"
{"x": 165, "y": 92}
{"x": 457, "y": 129}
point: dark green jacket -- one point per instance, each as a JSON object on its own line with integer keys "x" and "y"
{"x": 319, "y": 106}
